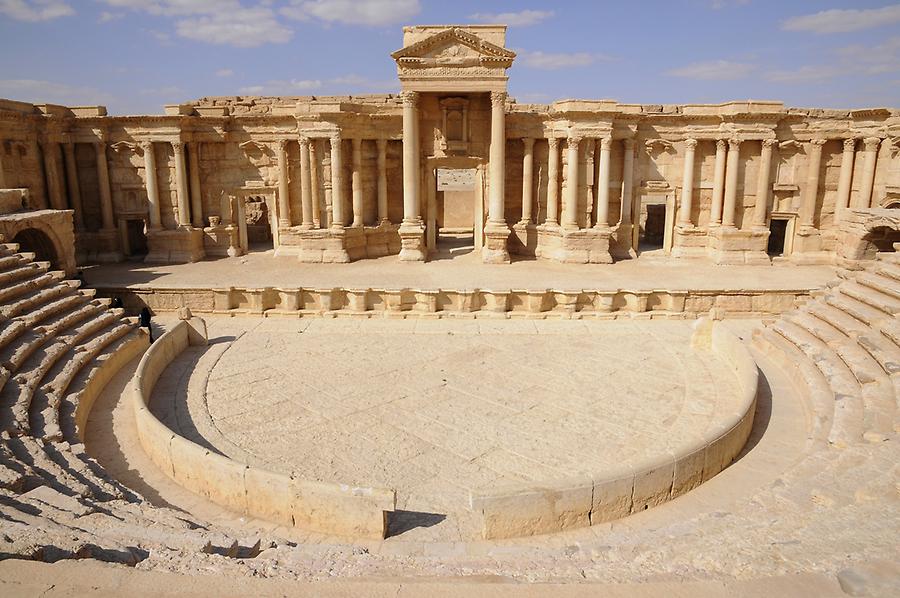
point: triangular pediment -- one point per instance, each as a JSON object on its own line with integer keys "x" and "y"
{"x": 453, "y": 47}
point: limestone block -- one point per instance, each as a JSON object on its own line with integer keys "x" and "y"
{"x": 652, "y": 483}
{"x": 269, "y": 496}
{"x": 223, "y": 480}
{"x": 612, "y": 498}
{"x": 340, "y": 509}
{"x": 734, "y": 303}
{"x": 688, "y": 471}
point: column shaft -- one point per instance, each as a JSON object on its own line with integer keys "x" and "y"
{"x": 410, "y": 158}
{"x": 2, "y": 171}
{"x": 196, "y": 194}
{"x": 181, "y": 185}
{"x": 74, "y": 187}
{"x": 356, "y": 181}
{"x": 381, "y": 145}
{"x": 811, "y": 189}
{"x": 527, "y": 180}
{"x": 54, "y": 181}
{"x": 715, "y": 214}
{"x": 284, "y": 192}
{"x": 845, "y": 180}
{"x": 868, "y": 175}
{"x": 337, "y": 187}
{"x": 570, "y": 206}
{"x": 627, "y": 182}
{"x": 553, "y": 181}
{"x": 603, "y": 183}
{"x": 497, "y": 158}
{"x": 687, "y": 184}
{"x": 729, "y": 216}
{"x": 763, "y": 185}
{"x": 152, "y": 185}
{"x": 106, "y": 207}
{"x": 306, "y": 207}
{"x": 318, "y": 214}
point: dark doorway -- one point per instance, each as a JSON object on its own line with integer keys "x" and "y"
{"x": 777, "y": 236}
{"x": 654, "y": 230}
{"x": 455, "y": 211}
{"x": 37, "y": 242}
{"x": 137, "y": 238}
{"x": 259, "y": 226}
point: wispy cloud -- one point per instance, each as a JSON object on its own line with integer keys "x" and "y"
{"x": 106, "y": 16}
{"x": 373, "y": 13}
{"x": 282, "y": 87}
{"x": 343, "y": 84}
{"x": 38, "y": 91}
{"x": 855, "y": 60}
{"x": 558, "y": 60}
{"x": 805, "y": 74}
{"x": 224, "y": 73}
{"x": 720, "y": 4}
{"x": 36, "y": 10}
{"x": 843, "y": 21}
{"x": 523, "y": 18}
{"x": 713, "y": 70}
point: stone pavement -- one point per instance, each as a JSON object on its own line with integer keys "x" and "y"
{"x": 436, "y": 408}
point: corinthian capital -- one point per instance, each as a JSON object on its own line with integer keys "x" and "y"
{"x": 409, "y": 98}
{"x": 871, "y": 143}
{"x": 734, "y": 144}
{"x": 498, "y": 98}
{"x": 770, "y": 143}
{"x": 573, "y": 141}
{"x": 554, "y": 142}
{"x": 690, "y": 143}
{"x": 178, "y": 148}
{"x": 721, "y": 145}
{"x": 850, "y": 144}
{"x": 818, "y": 142}
{"x": 606, "y": 144}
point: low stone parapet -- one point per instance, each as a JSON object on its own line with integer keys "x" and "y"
{"x": 317, "y": 506}
{"x": 555, "y": 505}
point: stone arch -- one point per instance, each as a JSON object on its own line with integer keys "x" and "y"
{"x": 41, "y": 237}
{"x": 879, "y": 238}
{"x": 38, "y": 242}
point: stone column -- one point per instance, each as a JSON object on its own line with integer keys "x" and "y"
{"x": 181, "y": 185}
{"x": 763, "y": 186}
{"x": 811, "y": 189}
{"x": 715, "y": 214}
{"x": 603, "y": 183}
{"x": 337, "y": 187}
{"x": 305, "y": 185}
{"x": 570, "y": 206}
{"x": 284, "y": 197}
{"x": 527, "y": 180}
{"x": 497, "y": 159}
{"x": 54, "y": 182}
{"x": 72, "y": 180}
{"x": 196, "y": 197}
{"x": 381, "y": 145}
{"x": 106, "y": 207}
{"x": 152, "y": 185}
{"x": 356, "y": 181}
{"x": 845, "y": 180}
{"x": 687, "y": 184}
{"x": 870, "y": 161}
{"x": 410, "y": 158}
{"x": 553, "y": 181}
{"x": 2, "y": 171}
{"x": 627, "y": 182}
{"x": 318, "y": 214}
{"x": 731, "y": 183}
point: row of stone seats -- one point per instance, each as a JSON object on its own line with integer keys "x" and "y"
{"x": 55, "y": 501}
{"x": 845, "y": 345}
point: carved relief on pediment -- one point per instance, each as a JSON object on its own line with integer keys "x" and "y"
{"x": 453, "y": 49}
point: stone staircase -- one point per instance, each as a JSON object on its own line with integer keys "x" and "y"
{"x": 55, "y": 501}
{"x": 845, "y": 347}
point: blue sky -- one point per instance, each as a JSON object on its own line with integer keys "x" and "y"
{"x": 136, "y": 55}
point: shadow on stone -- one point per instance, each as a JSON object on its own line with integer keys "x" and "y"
{"x": 403, "y": 521}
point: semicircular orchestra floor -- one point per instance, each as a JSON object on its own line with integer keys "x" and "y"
{"x": 436, "y": 408}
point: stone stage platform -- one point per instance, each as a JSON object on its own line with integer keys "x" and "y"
{"x": 263, "y": 284}
{"x": 437, "y": 410}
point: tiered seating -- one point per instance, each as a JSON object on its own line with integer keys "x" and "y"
{"x": 55, "y": 501}
{"x": 846, "y": 347}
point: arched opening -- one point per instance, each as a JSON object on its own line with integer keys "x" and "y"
{"x": 37, "y": 242}
{"x": 881, "y": 238}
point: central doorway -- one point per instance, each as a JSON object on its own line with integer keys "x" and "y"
{"x": 455, "y": 209}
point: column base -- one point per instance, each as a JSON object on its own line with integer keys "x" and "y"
{"x": 690, "y": 242}
{"x": 574, "y": 245}
{"x": 523, "y": 240}
{"x": 412, "y": 242}
{"x": 807, "y": 248}
{"x": 496, "y": 244}
{"x": 321, "y": 245}
{"x": 620, "y": 244}
{"x": 178, "y": 246}
{"x": 730, "y": 245}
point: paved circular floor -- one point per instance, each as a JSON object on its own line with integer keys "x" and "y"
{"x": 435, "y": 408}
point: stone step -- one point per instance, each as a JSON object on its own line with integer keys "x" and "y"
{"x": 101, "y": 490}
{"x": 11, "y": 292}
{"x": 30, "y": 451}
{"x": 26, "y": 271}
{"x": 885, "y": 351}
{"x": 887, "y": 270}
{"x": 11, "y": 331}
{"x": 849, "y": 413}
{"x": 868, "y": 315}
{"x": 11, "y": 261}
{"x": 64, "y": 304}
{"x": 871, "y": 297}
{"x": 34, "y": 299}
{"x": 800, "y": 368}
{"x": 883, "y": 284}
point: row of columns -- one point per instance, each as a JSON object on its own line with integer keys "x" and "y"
{"x": 308, "y": 187}
{"x": 725, "y": 180}
{"x": 570, "y": 206}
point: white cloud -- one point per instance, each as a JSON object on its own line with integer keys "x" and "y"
{"x": 856, "y": 60}
{"x": 523, "y": 18}
{"x": 713, "y": 70}
{"x": 38, "y": 91}
{"x": 35, "y": 10}
{"x": 720, "y": 4}
{"x": 354, "y": 82}
{"x": 553, "y": 61}
{"x": 282, "y": 87}
{"x": 354, "y": 12}
{"x": 805, "y": 74}
{"x": 106, "y": 16}
{"x": 842, "y": 21}
{"x": 224, "y": 73}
